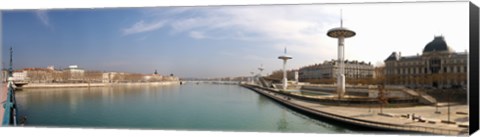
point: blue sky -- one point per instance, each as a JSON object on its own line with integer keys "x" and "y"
{"x": 222, "y": 41}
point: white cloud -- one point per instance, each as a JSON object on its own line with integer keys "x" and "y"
{"x": 256, "y": 58}
{"x": 279, "y": 25}
{"x": 197, "y": 35}
{"x": 381, "y": 28}
{"x": 141, "y": 26}
{"x": 43, "y": 17}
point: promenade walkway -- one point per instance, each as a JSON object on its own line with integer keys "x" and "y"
{"x": 3, "y": 99}
{"x": 390, "y": 119}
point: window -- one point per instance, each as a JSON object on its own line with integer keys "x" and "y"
{"x": 435, "y": 65}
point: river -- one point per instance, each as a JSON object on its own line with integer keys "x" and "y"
{"x": 175, "y": 107}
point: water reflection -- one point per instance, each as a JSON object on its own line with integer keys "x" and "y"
{"x": 282, "y": 122}
{"x": 263, "y": 101}
{"x": 188, "y": 107}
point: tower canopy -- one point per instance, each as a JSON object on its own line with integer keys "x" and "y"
{"x": 285, "y": 56}
{"x": 341, "y": 31}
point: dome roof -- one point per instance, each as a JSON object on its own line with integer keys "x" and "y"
{"x": 437, "y": 45}
{"x": 392, "y": 56}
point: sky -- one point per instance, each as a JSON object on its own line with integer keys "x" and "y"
{"x": 219, "y": 41}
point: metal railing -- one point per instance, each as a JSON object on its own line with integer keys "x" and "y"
{"x": 9, "y": 116}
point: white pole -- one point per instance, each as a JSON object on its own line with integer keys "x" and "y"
{"x": 284, "y": 75}
{"x": 341, "y": 71}
{"x": 296, "y": 77}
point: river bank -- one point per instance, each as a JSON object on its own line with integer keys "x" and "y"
{"x": 76, "y": 85}
{"x": 426, "y": 120}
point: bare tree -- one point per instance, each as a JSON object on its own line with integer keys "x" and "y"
{"x": 93, "y": 76}
{"x": 56, "y": 76}
{"x": 379, "y": 75}
{"x": 134, "y": 77}
{"x": 382, "y": 96}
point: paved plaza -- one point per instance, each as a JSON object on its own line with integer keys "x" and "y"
{"x": 426, "y": 118}
{"x": 3, "y": 99}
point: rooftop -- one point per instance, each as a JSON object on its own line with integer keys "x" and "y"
{"x": 438, "y": 44}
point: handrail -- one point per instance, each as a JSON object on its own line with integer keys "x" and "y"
{"x": 9, "y": 116}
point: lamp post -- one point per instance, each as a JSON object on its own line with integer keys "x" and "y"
{"x": 10, "y": 68}
{"x": 449, "y": 97}
{"x": 449, "y": 109}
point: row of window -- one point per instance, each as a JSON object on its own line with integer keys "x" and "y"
{"x": 422, "y": 62}
{"x": 423, "y": 70}
{"x": 328, "y": 74}
{"x": 346, "y": 66}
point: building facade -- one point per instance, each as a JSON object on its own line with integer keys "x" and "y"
{"x": 4, "y": 75}
{"x": 19, "y": 76}
{"x": 438, "y": 67}
{"x": 328, "y": 70}
{"x": 74, "y": 73}
{"x": 38, "y": 75}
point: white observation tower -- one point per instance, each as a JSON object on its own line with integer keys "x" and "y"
{"x": 341, "y": 33}
{"x": 284, "y": 57}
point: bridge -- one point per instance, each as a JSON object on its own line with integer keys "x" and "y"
{"x": 8, "y": 111}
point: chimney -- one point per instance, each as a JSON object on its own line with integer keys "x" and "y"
{"x": 397, "y": 55}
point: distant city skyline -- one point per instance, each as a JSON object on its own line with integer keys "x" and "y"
{"x": 229, "y": 40}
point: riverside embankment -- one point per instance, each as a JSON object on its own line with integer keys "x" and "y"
{"x": 426, "y": 121}
{"x": 73, "y": 85}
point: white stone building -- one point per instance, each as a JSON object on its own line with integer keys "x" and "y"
{"x": 328, "y": 70}
{"x": 74, "y": 73}
{"x": 438, "y": 67}
{"x": 19, "y": 76}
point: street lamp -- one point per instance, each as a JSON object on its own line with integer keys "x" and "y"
{"x": 449, "y": 99}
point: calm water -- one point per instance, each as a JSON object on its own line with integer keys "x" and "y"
{"x": 181, "y": 107}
